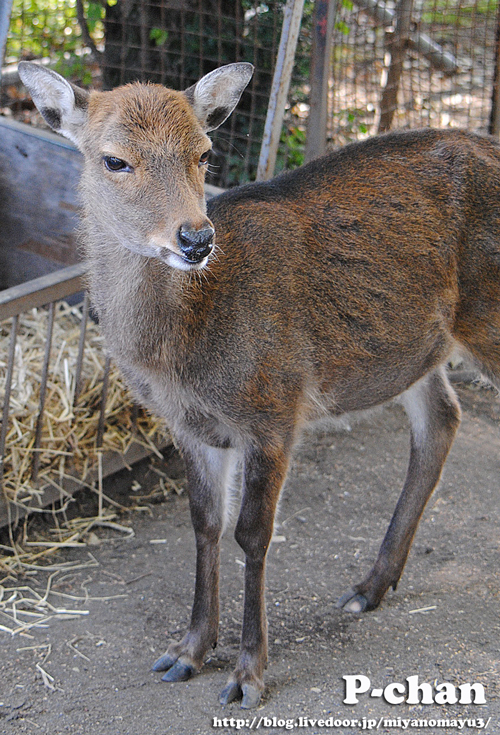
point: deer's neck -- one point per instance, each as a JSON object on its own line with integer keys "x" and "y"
{"x": 145, "y": 307}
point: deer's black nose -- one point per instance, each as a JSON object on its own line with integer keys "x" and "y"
{"x": 195, "y": 244}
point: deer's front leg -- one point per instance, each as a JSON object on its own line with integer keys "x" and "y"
{"x": 264, "y": 474}
{"x": 209, "y": 472}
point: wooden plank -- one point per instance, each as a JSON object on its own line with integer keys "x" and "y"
{"x": 39, "y": 134}
{"x": 39, "y": 202}
{"x": 41, "y": 291}
{"x": 60, "y": 251}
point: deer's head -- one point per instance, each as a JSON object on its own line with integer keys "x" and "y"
{"x": 146, "y": 152}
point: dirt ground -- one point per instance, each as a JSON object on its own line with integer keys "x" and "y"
{"x": 91, "y": 673}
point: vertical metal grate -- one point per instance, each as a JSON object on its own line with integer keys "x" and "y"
{"x": 8, "y": 388}
{"x": 43, "y": 392}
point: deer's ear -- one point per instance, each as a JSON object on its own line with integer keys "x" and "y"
{"x": 216, "y": 95}
{"x": 61, "y": 104}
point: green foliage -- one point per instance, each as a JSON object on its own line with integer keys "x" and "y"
{"x": 158, "y": 35}
{"x": 40, "y": 27}
{"x": 74, "y": 68}
{"x": 49, "y": 29}
{"x": 342, "y": 27}
{"x": 351, "y": 123}
{"x": 292, "y": 149}
{"x": 95, "y": 16}
{"x": 456, "y": 16}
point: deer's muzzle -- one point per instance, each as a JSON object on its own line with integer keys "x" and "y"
{"x": 195, "y": 245}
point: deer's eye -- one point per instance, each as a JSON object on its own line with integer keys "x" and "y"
{"x": 116, "y": 164}
{"x": 204, "y": 158}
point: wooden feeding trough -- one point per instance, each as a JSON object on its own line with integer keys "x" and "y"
{"x": 66, "y": 417}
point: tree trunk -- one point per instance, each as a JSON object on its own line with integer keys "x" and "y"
{"x": 397, "y": 49}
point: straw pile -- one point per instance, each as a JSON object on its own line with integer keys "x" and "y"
{"x": 68, "y": 446}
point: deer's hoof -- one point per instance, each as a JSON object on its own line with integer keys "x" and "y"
{"x": 230, "y": 692}
{"x": 178, "y": 672}
{"x": 353, "y": 602}
{"x": 250, "y": 694}
{"x": 163, "y": 663}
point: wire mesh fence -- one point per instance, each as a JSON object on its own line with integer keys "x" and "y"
{"x": 171, "y": 42}
{"x": 175, "y": 43}
{"x": 447, "y": 66}
{"x": 408, "y": 63}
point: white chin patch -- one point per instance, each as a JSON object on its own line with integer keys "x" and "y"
{"x": 176, "y": 261}
{"x": 161, "y": 250}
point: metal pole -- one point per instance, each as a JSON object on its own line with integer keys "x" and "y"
{"x": 5, "y": 11}
{"x": 104, "y": 397}
{"x": 6, "y": 400}
{"x": 43, "y": 392}
{"x": 81, "y": 348}
{"x": 324, "y": 19}
{"x": 292, "y": 16}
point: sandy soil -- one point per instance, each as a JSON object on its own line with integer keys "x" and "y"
{"x": 91, "y": 674}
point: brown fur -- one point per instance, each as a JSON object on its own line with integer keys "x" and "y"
{"x": 334, "y": 288}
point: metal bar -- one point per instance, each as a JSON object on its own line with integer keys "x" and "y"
{"x": 43, "y": 392}
{"x": 292, "y": 16}
{"x": 6, "y": 400}
{"x": 135, "y": 415}
{"x": 5, "y": 11}
{"x": 104, "y": 396}
{"x": 81, "y": 348}
{"x": 42, "y": 291}
{"x": 144, "y": 34}
{"x": 324, "y": 19}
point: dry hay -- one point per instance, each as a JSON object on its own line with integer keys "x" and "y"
{"x": 24, "y": 608}
{"x": 68, "y": 447}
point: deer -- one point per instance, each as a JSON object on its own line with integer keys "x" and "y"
{"x": 337, "y": 287}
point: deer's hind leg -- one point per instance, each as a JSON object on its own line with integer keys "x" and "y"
{"x": 210, "y": 473}
{"x": 434, "y": 414}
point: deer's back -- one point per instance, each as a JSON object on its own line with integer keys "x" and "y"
{"x": 363, "y": 257}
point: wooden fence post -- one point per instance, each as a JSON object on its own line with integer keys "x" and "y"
{"x": 323, "y": 23}
{"x": 292, "y": 16}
